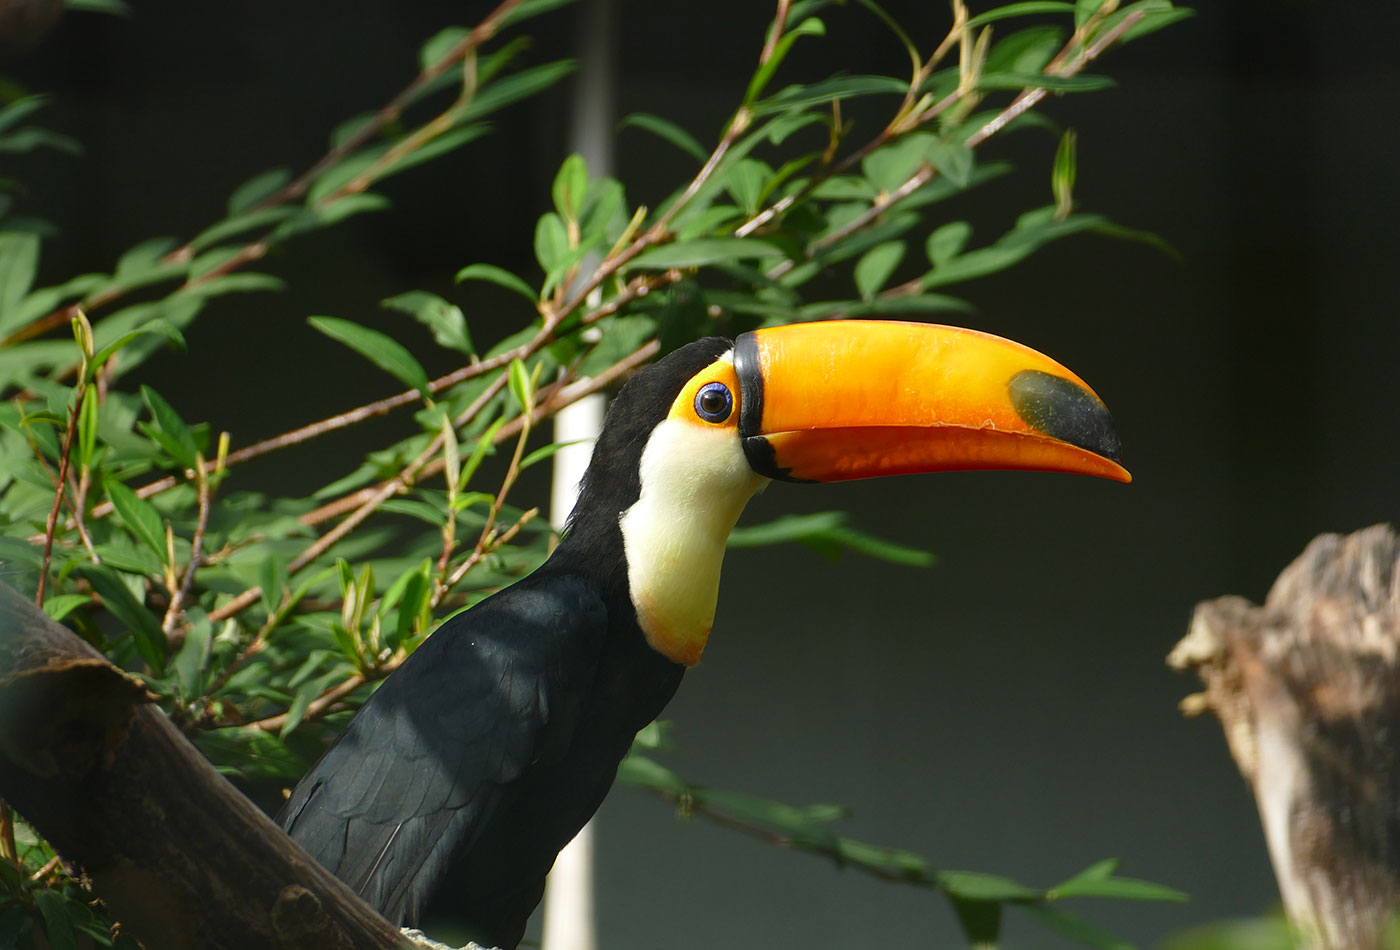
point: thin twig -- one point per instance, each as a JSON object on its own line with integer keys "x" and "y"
{"x": 1024, "y": 101}
{"x": 330, "y": 697}
{"x": 47, "y": 869}
{"x": 51, "y": 526}
{"x": 177, "y": 599}
{"x": 566, "y": 396}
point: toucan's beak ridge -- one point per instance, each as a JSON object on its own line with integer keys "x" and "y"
{"x": 858, "y": 399}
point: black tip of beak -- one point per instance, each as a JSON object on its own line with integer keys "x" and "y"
{"x": 1064, "y": 410}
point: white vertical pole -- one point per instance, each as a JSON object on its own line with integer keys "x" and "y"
{"x": 569, "y": 918}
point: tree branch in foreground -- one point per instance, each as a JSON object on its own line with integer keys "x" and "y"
{"x": 178, "y": 855}
{"x": 1307, "y": 688}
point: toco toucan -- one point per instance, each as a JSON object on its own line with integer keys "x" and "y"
{"x": 496, "y": 740}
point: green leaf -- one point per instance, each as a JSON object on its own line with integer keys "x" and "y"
{"x": 145, "y": 630}
{"x": 1025, "y": 51}
{"x": 1062, "y": 174}
{"x": 532, "y": 8}
{"x": 87, "y": 428}
{"x": 272, "y": 579}
{"x": 436, "y": 147}
{"x": 1098, "y": 880}
{"x": 257, "y": 188}
{"x": 445, "y": 319}
{"x": 882, "y": 306}
{"x": 154, "y": 327}
{"x": 1153, "y": 21}
{"x": 891, "y": 166}
{"x": 238, "y": 224}
{"x": 1013, "y": 80}
{"x": 570, "y": 187}
{"x": 540, "y": 454}
{"x": 954, "y": 161}
{"x": 702, "y": 251}
{"x": 1084, "y": 9}
{"x": 61, "y": 605}
{"x": 440, "y": 45}
{"x": 111, "y": 7}
{"x": 947, "y": 242}
{"x": 875, "y": 267}
{"x": 140, "y": 516}
{"x": 785, "y": 529}
{"x": 20, "y": 109}
{"x": 551, "y": 242}
{"x": 517, "y": 86}
{"x": 58, "y": 919}
{"x": 193, "y": 657}
{"x": 974, "y": 885}
{"x": 381, "y": 350}
{"x": 169, "y": 430}
{"x": 646, "y": 773}
{"x": 1018, "y": 9}
{"x": 413, "y": 602}
{"x": 795, "y": 824}
{"x": 1068, "y": 925}
{"x": 19, "y": 261}
{"x": 667, "y": 130}
{"x": 808, "y": 27}
{"x": 980, "y": 920}
{"x": 817, "y": 93}
{"x": 499, "y": 276}
{"x": 30, "y": 138}
{"x": 746, "y": 180}
{"x": 521, "y": 387}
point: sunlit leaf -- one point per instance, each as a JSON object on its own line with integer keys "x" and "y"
{"x": 169, "y": 430}
{"x": 570, "y": 187}
{"x": 496, "y": 275}
{"x": 445, "y": 319}
{"x": 140, "y": 516}
{"x": 380, "y": 349}
{"x": 874, "y": 268}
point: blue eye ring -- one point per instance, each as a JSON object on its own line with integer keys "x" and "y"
{"x": 714, "y": 402}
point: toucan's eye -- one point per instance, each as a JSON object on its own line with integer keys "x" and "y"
{"x": 713, "y": 403}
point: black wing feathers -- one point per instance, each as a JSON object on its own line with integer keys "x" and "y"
{"x": 420, "y": 770}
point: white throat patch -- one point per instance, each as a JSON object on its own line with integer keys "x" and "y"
{"x": 695, "y": 483}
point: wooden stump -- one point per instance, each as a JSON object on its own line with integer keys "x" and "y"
{"x": 1307, "y": 688}
{"x": 176, "y": 853}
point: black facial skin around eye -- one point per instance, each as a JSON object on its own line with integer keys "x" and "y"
{"x": 714, "y": 402}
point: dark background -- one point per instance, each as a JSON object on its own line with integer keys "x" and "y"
{"x": 1008, "y": 710}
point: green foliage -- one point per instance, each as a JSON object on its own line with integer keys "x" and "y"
{"x": 261, "y": 622}
{"x": 977, "y": 899}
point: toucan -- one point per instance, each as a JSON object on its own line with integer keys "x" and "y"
{"x": 476, "y": 761}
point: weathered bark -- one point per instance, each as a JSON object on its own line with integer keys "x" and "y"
{"x": 1307, "y": 688}
{"x": 176, "y": 853}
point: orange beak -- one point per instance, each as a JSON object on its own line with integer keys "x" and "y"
{"x": 849, "y": 399}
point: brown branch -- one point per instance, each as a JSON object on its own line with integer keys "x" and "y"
{"x": 330, "y": 697}
{"x": 180, "y": 858}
